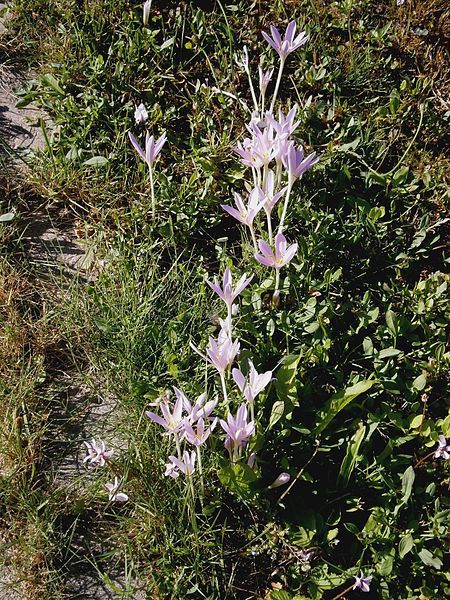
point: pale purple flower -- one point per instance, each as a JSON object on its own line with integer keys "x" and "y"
{"x": 97, "y": 453}
{"x": 296, "y": 163}
{"x": 246, "y": 214}
{"x": 252, "y": 461}
{"x": 264, "y": 79}
{"x": 242, "y": 61}
{"x": 400, "y": 2}
{"x": 285, "y": 126}
{"x": 282, "y": 255}
{"x": 114, "y": 494}
{"x": 197, "y": 410}
{"x": 200, "y": 434}
{"x": 152, "y": 148}
{"x": 252, "y": 385}
{"x": 172, "y": 419}
{"x": 186, "y": 465}
{"x": 270, "y": 197}
{"x": 249, "y": 157}
{"x": 443, "y": 450}
{"x": 146, "y": 11}
{"x": 140, "y": 114}
{"x": 226, "y": 292}
{"x": 285, "y": 46}
{"x": 362, "y": 582}
{"x": 282, "y": 479}
{"x": 263, "y": 142}
{"x": 220, "y": 353}
{"x": 238, "y": 429}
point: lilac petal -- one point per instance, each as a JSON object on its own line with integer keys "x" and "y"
{"x": 239, "y": 378}
{"x": 265, "y": 261}
{"x": 121, "y": 497}
{"x": 290, "y": 31}
{"x": 275, "y": 35}
{"x": 136, "y": 146}
{"x": 266, "y": 250}
{"x": 269, "y": 40}
{"x": 290, "y": 252}
{"x": 233, "y": 212}
{"x": 156, "y": 418}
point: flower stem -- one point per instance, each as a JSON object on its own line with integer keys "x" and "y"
{"x": 224, "y": 387}
{"x": 252, "y": 90}
{"x": 269, "y": 226}
{"x": 277, "y": 85}
{"x": 255, "y": 244}
{"x": 422, "y": 460}
{"x": 177, "y": 442}
{"x": 229, "y": 318}
{"x": 286, "y": 202}
{"x": 200, "y": 472}
{"x": 344, "y": 592}
{"x": 152, "y": 191}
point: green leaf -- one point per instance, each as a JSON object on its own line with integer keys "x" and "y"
{"x": 168, "y": 43}
{"x": 7, "y": 217}
{"x": 389, "y": 352}
{"x": 339, "y": 400}
{"x": 96, "y": 161}
{"x": 429, "y": 559}
{"x": 238, "y": 479}
{"x": 51, "y": 81}
{"x": 285, "y": 388}
{"x": 419, "y": 382}
{"x": 384, "y": 568}
{"x": 405, "y": 545}
{"x": 407, "y": 484}
{"x": 277, "y": 413}
{"x": 391, "y": 322}
{"x": 351, "y": 457}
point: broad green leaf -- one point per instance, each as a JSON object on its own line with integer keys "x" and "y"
{"x": 351, "y": 457}
{"x": 7, "y": 217}
{"x": 407, "y": 483}
{"x": 405, "y": 545}
{"x": 429, "y": 559}
{"x": 51, "y": 81}
{"x": 167, "y": 43}
{"x": 238, "y": 479}
{"x": 420, "y": 382}
{"x": 96, "y": 161}
{"x": 340, "y": 400}
{"x": 384, "y": 568}
{"x": 389, "y": 352}
{"x": 285, "y": 388}
{"x": 391, "y": 322}
{"x": 277, "y": 413}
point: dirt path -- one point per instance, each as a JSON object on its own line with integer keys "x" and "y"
{"x": 53, "y": 251}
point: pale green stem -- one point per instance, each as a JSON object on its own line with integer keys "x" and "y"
{"x": 152, "y": 191}
{"x": 265, "y": 172}
{"x": 229, "y": 318}
{"x": 277, "y": 283}
{"x": 252, "y": 91}
{"x": 255, "y": 178}
{"x": 269, "y": 226}
{"x": 258, "y": 173}
{"x": 252, "y": 410}
{"x": 252, "y": 231}
{"x": 286, "y": 202}
{"x": 177, "y": 442}
{"x": 277, "y": 85}
{"x": 224, "y": 387}
{"x": 200, "y": 471}
{"x": 278, "y": 174}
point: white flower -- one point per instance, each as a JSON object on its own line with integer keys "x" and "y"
{"x": 443, "y": 450}
{"x": 146, "y": 11}
{"x": 114, "y": 494}
{"x": 140, "y": 114}
{"x": 97, "y": 453}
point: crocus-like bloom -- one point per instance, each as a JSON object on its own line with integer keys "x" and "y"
{"x": 443, "y": 450}
{"x": 172, "y": 419}
{"x": 270, "y": 197}
{"x": 282, "y": 255}
{"x": 146, "y": 11}
{"x": 226, "y": 292}
{"x": 362, "y": 582}
{"x": 238, "y": 429}
{"x": 242, "y": 61}
{"x": 282, "y": 479}
{"x": 285, "y": 46}
{"x": 114, "y": 494}
{"x": 255, "y": 383}
{"x": 140, "y": 114}
{"x": 285, "y": 126}
{"x": 97, "y": 453}
{"x": 249, "y": 156}
{"x": 197, "y": 410}
{"x": 152, "y": 148}
{"x": 198, "y": 436}
{"x": 264, "y": 79}
{"x": 295, "y": 162}
{"x": 220, "y": 353}
{"x": 246, "y": 214}
{"x": 186, "y": 465}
